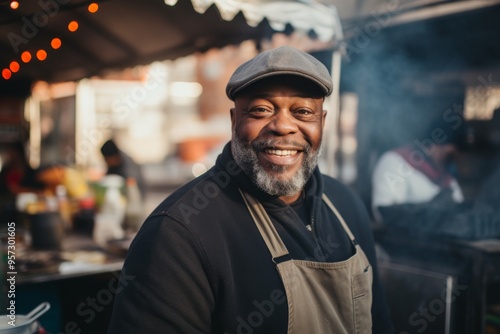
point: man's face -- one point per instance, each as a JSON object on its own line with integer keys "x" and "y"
{"x": 277, "y": 126}
{"x": 113, "y": 160}
{"x": 446, "y": 153}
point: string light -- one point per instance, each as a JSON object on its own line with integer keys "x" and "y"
{"x": 93, "y": 7}
{"x": 14, "y": 66}
{"x": 26, "y": 56}
{"x": 73, "y": 26}
{"x": 6, "y": 74}
{"x": 41, "y": 55}
{"x": 55, "y": 43}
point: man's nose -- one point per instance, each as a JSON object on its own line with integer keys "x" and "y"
{"x": 282, "y": 123}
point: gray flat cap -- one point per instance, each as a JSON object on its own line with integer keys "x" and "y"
{"x": 284, "y": 60}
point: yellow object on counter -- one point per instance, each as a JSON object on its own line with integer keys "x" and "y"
{"x": 75, "y": 183}
{"x": 73, "y": 180}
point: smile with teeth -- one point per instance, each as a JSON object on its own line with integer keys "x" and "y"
{"x": 282, "y": 153}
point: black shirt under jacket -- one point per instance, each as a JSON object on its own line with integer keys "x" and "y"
{"x": 199, "y": 264}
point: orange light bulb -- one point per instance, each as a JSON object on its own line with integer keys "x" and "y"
{"x": 14, "y": 5}
{"x": 56, "y": 43}
{"x": 93, "y": 7}
{"x": 6, "y": 74}
{"x": 14, "y": 66}
{"x": 41, "y": 55}
{"x": 73, "y": 26}
{"x": 26, "y": 56}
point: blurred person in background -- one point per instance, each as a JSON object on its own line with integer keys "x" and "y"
{"x": 119, "y": 163}
{"x": 415, "y": 190}
{"x": 16, "y": 177}
{"x": 16, "y": 174}
{"x": 418, "y": 172}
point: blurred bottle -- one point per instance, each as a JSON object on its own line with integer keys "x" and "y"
{"x": 114, "y": 202}
{"x": 109, "y": 219}
{"x": 64, "y": 206}
{"x": 135, "y": 207}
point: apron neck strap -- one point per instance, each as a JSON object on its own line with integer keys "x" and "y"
{"x": 265, "y": 226}
{"x": 339, "y": 217}
{"x": 269, "y": 233}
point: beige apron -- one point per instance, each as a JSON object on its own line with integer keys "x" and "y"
{"x": 322, "y": 297}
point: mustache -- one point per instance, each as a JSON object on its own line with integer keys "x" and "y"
{"x": 260, "y": 145}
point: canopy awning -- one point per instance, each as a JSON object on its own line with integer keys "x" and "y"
{"x": 133, "y": 32}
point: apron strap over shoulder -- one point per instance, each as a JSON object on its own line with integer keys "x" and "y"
{"x": 265, "y": 226}
{"x": 339, "y": 217}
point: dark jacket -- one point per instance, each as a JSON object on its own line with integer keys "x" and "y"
{"x": 199, "y": 264}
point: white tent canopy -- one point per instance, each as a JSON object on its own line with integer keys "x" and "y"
{"x": 302, "y": 15}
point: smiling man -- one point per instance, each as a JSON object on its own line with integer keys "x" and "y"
{"x": 262, "y": 242}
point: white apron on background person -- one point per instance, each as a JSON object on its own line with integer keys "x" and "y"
{"x": 323, "y": 297}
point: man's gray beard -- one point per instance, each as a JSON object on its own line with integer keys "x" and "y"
{"x": 246, "y": 158}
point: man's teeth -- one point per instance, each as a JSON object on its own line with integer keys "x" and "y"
{"x": 281, "y": 152}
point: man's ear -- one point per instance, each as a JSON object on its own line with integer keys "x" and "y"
{"x": 324, "y": 117}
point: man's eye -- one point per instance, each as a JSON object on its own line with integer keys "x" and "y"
{"x": 259, "y": 110}
{"x": 303, "y": 112}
